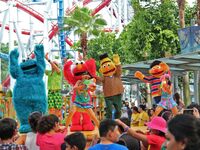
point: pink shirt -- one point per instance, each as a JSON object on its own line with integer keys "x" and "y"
{"x": 50, "y": 141}
{"x": 155, "y": 142}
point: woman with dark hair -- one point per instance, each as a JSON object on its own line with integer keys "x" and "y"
{"x": 135, "y": 117}
{"x": 180, "y": 103}
{"x": 49, "y": 136}
{"x": 183, "y": 133}
{"x": 150, "y": 113}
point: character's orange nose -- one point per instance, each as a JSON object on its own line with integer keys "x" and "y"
{"x": 79, "y": 66}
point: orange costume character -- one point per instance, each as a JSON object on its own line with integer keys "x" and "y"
{"x": 78, "y": 75}
{"x": 167, "y": 101}
{"x": 157, "y": 69}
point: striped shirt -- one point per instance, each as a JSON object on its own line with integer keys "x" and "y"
{"x": 155, "y": 85}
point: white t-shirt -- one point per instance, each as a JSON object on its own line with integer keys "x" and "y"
{"x": 31, "y": 141}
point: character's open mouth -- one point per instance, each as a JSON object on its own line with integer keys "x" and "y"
{"x": 81, "y": 73}
{"x": 109, "y": 71}
{"x": 157, "y": 73}
{"x": 29, "y": 67}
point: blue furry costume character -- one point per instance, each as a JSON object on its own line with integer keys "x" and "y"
{"x": 29, "y": 91}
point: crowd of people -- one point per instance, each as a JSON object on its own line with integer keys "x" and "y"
{"x": 164, "y": 132}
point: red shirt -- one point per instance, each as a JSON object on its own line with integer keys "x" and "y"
{"x": 155, "y": 142}
{"x": 50, "y": 141}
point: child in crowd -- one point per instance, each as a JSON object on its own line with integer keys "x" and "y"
{"x": 49, "y": 136}
{"x": 135, "y": 117}
{"x": 8, "y": 131}
{"x": 109, "y": 133}
{"x": 156, "y": 136}
{"x": 74, "y": 141}
{"x": 29, "y": 139}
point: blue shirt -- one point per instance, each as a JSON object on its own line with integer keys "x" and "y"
{"x": 108, "y": 147}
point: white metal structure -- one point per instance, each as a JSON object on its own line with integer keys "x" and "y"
{"x": 34, "y": 22}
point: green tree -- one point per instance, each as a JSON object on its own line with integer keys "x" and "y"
{"x": 104, "y": 43}
{"x": 4, "y": 63}
{"x": 153, "y": 31}
{"x": 84, "y": 24}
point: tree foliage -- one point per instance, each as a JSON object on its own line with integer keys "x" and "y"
{"x": 84, "y": 24}
{"x": 104, "y": 43}
{"x": 4, "y": 63}
{"x": 153, "y": 31}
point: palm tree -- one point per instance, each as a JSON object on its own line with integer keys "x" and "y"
{"x": 181, "y": 5}
{"x": 186, "y": 84}
{"x": 198, "y": 12}
{"x": 84, "y": 24}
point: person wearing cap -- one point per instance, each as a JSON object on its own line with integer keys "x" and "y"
{"x": 112, "y": 83}
{"x": 156, "y": 136}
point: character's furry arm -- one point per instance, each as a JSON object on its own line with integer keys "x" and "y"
{"x": 91, "y": 67}
{"x": 116, "y": 61}
{"x": 67, "y": 72}
{"x": 39, "y": 52}
{"x": 142, "y": 77}
{"x": 118, "y": 72}
{"x": 14, "y": 67}
{"x": 99, "y": 79}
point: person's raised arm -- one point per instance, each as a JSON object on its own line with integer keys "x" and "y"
{"x": 133, "y": 133}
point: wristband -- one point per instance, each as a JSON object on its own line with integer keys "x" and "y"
{"x": 126, "y": 129}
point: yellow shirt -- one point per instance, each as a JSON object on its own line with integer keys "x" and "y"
{"x": 134, "y": 119}
{"x": 143, "y": 118}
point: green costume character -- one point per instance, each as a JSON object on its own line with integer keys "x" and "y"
{"x": 55, "y": 100}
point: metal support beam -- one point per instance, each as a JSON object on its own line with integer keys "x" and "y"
{"x": 196, "y": 86}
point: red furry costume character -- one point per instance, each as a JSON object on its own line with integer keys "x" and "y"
{"x": 74, "y": 72}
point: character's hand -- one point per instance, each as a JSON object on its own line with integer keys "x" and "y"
{"x": 14, "y": 54}
{"x": 39, "y": 50}
{"x": 116, "y": 59}
{"x": 139, "y": 75}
